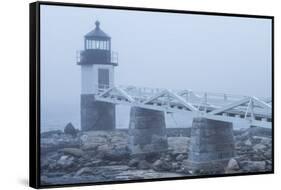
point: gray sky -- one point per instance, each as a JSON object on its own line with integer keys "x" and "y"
{"x": 178, "y": 51}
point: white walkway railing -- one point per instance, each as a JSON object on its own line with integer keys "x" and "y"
{"x": 224, "y": 107}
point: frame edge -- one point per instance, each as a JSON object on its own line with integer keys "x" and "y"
{"x": 34, "y": 174}
{"x": 34, "y": 105}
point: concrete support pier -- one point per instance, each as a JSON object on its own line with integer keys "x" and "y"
{"x": 147, "y": 131}
{"x": 212, "y": 145}
{"x": 96, "y": 115}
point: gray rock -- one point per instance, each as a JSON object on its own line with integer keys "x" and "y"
{"x": 146, "y": 174}
{"x": 84, "y": 171}
{"x": 266, "y": 141}
{"x": 161, "y": 165}
{"x": 133, "y": 162}
{"x": 175, "y": 166}
{"x": 186, "y": 166}
{"x": 73, "y": 152}
{"x": 256, "y": 139}
{"x": 143, "y": 165}
{"x": 53, "y": 143}
{"x": 49, "y": 134}
{"x": 232, "y": 166}
{"x": 94, "y": 163}
{"x": 253, "y": 166}
{"x": 268, "y": 165}
{"x": 260, "y": 131}
{"x": 268, "y": 154}
{"x": 92, "y": 142}
{"x": 259, "y": 147}
{"x": 45, "y": 162}
{"x": 180, "y": 157}
{"x": 115, "y": 154}
{"x": 167, "y": 157}
{"x": 102, "y": 141}
{"x": 70, "y": 130}
{"x": 44, "y": 179}
{"x": 65, "y": 162}
{"x": 238, "y": 132}
{"x": 245, "y": 135}
{"x": 104, "y": 148}
{"x": 248, "y": 142}
{"x": 178, "y": 145}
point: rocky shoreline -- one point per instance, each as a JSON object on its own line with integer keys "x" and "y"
{"x": 72, "y": 156}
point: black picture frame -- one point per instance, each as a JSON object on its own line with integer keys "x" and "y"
{"x": 34, "y": 89}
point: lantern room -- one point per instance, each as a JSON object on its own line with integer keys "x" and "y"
{"x": 97, "y": 39}
{"x": 97, "y": 49}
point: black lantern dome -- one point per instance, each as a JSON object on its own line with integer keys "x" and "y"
{"x": 97, "y": 39}
{"x": 97, "y": 32}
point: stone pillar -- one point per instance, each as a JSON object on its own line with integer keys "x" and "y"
{"x": 212, "y": 145}
{"x": 96, "y": 115}
{"x": 147, "y": 131}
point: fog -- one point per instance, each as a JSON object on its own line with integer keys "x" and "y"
{"x": 164, "y": 50}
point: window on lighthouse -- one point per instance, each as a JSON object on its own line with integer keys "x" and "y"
{"x": 97, "y": 44}
{"x": 90, "y": 44}
{"x": 101, "y": 44}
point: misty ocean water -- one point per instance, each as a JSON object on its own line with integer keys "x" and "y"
{"x": 57, "y": 119}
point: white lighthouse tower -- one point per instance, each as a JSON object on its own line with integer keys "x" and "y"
{"x": 97, "y": 72}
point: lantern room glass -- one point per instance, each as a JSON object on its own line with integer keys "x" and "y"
{"x": 97, "y": 44}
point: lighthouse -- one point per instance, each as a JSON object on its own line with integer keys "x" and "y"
{"x": 97, "y": 63}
